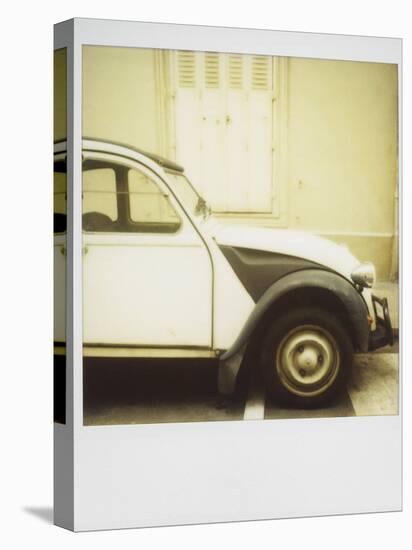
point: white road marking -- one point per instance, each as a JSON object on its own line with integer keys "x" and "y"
{"x": 255, "y": 402}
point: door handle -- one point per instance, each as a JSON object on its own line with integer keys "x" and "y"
{"x": 85, "y": 250}
{"x": 63, "y": 250}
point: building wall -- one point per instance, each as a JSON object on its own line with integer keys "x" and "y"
{"x": 60, "y": 94}
{"x": 335, "y": 151}
{"x": 343, "y": 153}
{"x": 119, "y": 95}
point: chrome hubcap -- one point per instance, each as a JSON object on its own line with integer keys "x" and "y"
{"x": 307, "y": 360}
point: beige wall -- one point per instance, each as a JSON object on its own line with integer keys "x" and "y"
{"x": 119, "y": 97}
{"x": 343, "y": 153}
{"x": 60, "y": 94}
{"x": 339, "y": 127}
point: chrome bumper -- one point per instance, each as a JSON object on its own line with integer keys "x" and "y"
{"x": 383, "y": 334}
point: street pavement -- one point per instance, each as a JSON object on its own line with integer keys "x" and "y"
{"x": 129, "y": 392}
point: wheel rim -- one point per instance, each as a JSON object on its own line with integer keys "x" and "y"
{"x": 307, "y": 360}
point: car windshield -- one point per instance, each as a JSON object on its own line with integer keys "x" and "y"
{"x": 185, "y": 191}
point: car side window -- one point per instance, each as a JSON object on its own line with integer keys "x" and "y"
{"x": 120, "y": 199}
{"x": 150, "y": 208}
{"x": 100, "y": 205}
{"x": 60, "y": 196}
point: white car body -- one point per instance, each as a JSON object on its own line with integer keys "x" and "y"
{"x": 175, "y": 294}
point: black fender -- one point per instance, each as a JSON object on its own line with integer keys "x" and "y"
{"x": 352, "y": 301}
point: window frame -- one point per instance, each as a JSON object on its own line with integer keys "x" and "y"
{"x": 124, "y": 224}
{"x": 165, "y": 195}
{"x": 116, "y": 170}
{"x": 59, "y": 158}
{"x": 277, "y": 216}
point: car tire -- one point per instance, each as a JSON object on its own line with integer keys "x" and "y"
{"x": 307, "y": 357}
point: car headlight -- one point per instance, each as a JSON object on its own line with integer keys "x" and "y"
{"x": 364, "y": 275}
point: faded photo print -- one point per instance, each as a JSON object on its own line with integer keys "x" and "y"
{"x": 240, "y": 236}
{"x": 60, "y": 234}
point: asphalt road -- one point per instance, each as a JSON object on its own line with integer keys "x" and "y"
{"x": 131, "y": 392}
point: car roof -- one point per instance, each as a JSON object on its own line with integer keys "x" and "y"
{"x": 158, "y": 159}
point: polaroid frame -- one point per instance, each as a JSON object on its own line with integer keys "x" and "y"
{"x": 109, "y": 477}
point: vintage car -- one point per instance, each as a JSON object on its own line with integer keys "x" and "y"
{"x": 162, "y": 278}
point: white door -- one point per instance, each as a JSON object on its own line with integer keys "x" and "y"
{"x": 147, "y": 272}
{"x": 224, "y": 126}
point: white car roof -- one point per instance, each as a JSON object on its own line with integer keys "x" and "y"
{"x": 121, "y": 149}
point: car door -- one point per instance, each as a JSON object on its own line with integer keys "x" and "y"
{"x": 147, "y": 273}
{"x": 59, "y": 265}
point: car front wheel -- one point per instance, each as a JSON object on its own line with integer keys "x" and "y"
{"x": 307, "y": 356}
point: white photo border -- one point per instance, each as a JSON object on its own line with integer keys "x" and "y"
{"x": 203, "y": 472}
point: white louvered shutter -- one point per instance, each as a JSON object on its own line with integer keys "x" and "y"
{"x": 224, "y": 127}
